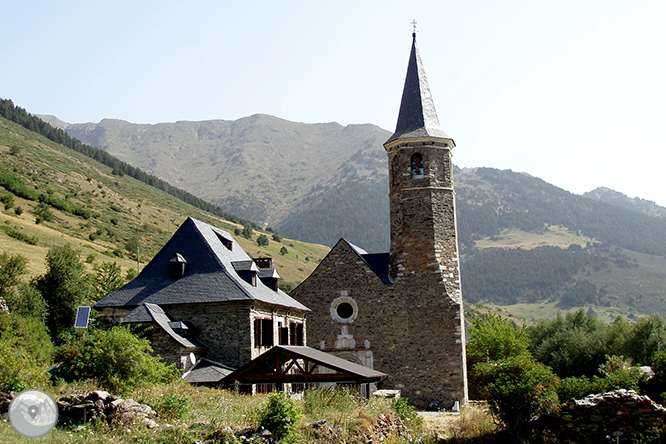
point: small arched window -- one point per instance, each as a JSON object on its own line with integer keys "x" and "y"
{"x": 417, "y": 166}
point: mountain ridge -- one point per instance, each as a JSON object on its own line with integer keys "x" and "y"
{"x": 524, "y": 243}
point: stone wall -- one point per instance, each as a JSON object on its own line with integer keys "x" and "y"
{"x": 227, "y": 329}
{"x": 614, "y": 417}
{"x": 412, "y": 330}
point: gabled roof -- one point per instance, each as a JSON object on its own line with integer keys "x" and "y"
{"x": 209, "y": 275}
{"x": 206, "y": 371}
{"x": 417, "y": 117}
{"x": 298, "y": 364}
{"x": 268, "y": 273}
{"x": 152, "y": 313}
{"x": 378, "y": 262}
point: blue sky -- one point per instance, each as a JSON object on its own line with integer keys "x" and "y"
{"x": 573, "y": 92}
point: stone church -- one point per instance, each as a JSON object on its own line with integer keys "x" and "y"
{"x": 402, "y": 312}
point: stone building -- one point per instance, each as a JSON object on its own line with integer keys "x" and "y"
{"x": 208, "y": 302}
{"x": 402, "y": 310}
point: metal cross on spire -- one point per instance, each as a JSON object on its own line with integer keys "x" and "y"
{"x": 414, "y": 26}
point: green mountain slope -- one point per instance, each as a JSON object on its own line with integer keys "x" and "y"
{"x": 100, "y": 213}
{"x": 262, "y": 168}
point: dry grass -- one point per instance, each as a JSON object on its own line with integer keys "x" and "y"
{"x": 472, "y": 421}
{"x": 211, "y": 410}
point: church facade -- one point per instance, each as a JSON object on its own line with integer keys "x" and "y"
{"x": 402, "y": 312}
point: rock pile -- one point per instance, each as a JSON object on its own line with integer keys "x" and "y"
{"x": 387, "y": 425}
{"x": 83, "y": 408}
{"x": 618, "y": 416}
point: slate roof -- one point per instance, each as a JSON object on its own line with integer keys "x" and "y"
{"x": 209, "y": 275}
{"x": 206, "y": 371}
{"x": 153, "y": 313}
{"x": 268, "y": 273}
{"x": 417, "y": 117}
{"x": 378, "y": 263}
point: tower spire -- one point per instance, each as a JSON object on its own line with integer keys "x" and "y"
{"x": 417, "y": 116}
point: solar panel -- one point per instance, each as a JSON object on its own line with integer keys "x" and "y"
{"x": 82, "y": 317}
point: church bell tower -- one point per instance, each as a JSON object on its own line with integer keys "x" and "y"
{"x": 424, "y": 243}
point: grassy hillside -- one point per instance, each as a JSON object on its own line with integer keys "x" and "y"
{"x": 118, "y": 207}
{"x": 298, "y": 178}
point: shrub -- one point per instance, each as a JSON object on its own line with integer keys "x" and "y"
{"x": 280, "y": 415}
{"x": 18, "y": 235}
{"x": 494, "y": 337}
{"x": 517, "y": 390}
{"x": 286, "y": 286}
{"x": 18, "y": 210}
{"x": 247, "y": 231}
{"x": 277, "y": 237}
{"x": 172, "y": 406}
{"x": 8, "y": 200}
{"x": 655, "y": 387}
{"x": 618, "y": 374}
{"x": 131, "y": 274}
{"x": 118, "y": 359}
{"x": 26, "y": 301}
{"x": 575, "y": 388}
{"x": 26, "y": 353}
{"x": 407, "y": 412}
{"x": 42, "y": 213}
{"x": 262, "y": 240}
{"x": 284, "y": 251}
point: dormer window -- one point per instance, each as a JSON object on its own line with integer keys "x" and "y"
{"x": 417, "y": 166}
{"x": 246, "y": 270}
{"x": 179, "y": 327}
{"x": 228, "y": 244}
{"x": 177, "y": 265}
{"x": 269, "y": 277}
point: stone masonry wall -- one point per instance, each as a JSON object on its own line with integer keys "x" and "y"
{"x": 614, "y": 417}
{"x": 413, "y": 339}
{"x": 227, "y": 329}
{"x": 426, "y": 270}
{"x": 224, "y": 328}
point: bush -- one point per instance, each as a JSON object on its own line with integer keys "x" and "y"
{"x": 262, "y": 240}
{"x": 247, "y": 232}
{"x": 575, "y": 388}
{"x": 172, "y": 406}
{"x": 42, "y": 213}
{"x": 26, "y": 349}
{"x": 494, "y": 337}
{"x": 618, "y": 374}
{"x": 280, "y": 415}
{"x": 8, "y": 200}
{"x": 407, "y": 412}
{"x": 284, "y": 251}
{"x": 18, "y": 210}
{"x": 655, "y": 387}
{"x": 517, "y": 390}
{"x": 118, "y": 359}
{"x": 26, "y": 301}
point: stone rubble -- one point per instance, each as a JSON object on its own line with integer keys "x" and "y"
{"x": 79, "y": 409}
{"x": 618, "y": 416}
{"x": 83, "y": 408}
{"x": 387, "y": 425}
